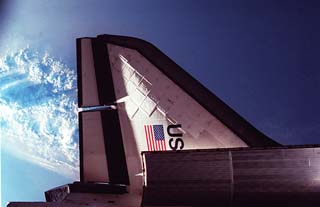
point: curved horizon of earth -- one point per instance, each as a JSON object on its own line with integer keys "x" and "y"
{"x": 38, "y": 104}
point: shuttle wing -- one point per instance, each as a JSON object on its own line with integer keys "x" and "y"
{"x": 154, "y": 105}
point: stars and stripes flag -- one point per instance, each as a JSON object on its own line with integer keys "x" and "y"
{"x": 155, "y": 137}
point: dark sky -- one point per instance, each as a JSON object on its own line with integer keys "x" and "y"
{"x": 261, "y": 57}
{"x": 263, "y": 60}
{"x": 3, "y": 9}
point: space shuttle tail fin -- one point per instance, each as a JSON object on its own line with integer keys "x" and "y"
{"x": 102, "y": 157}
{"x": 154, "y": 106}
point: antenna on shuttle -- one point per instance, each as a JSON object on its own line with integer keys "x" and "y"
{"x": 97, "y": 108}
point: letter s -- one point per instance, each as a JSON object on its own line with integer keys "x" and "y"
{"x": 176, "y": 144}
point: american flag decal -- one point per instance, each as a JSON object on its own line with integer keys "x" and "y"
{"x": 155, "y": 137}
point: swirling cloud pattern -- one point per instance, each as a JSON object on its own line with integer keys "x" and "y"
{"x": 38, "y": 110}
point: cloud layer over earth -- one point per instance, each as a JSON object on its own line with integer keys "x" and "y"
{"x": 38, "y": 107}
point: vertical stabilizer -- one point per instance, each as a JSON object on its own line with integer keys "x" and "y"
{"x": 154, "y": 105}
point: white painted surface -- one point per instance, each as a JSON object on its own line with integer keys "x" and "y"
{"x": 88, "y": 75}
{"x": 95, "y": 167}
{"x": 155, "y": 99}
